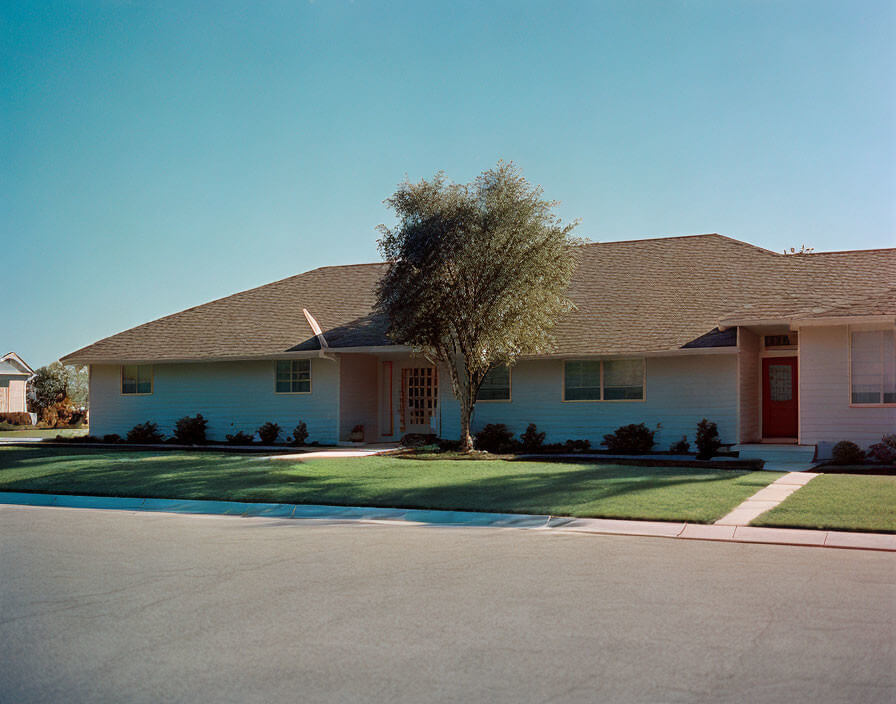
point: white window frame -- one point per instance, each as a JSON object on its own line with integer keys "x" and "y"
{"x": 292, "y": 373}
{"x": 863, "y": 328}
{"x": 643, "y": 398}
{"x": 152, "y": 379}
{"x": 509, "y": 390}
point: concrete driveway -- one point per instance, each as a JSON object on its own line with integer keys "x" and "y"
{"x": 118, "y": 606}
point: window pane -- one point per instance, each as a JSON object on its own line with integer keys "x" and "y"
{"x": 496, "y": 386}
{"x": 582, "y": 381}
{"x": 867, "y": 365}
{"x": 889, "y": 364}
{"x": 144, "y": 379}
{"x": 293, "y": 376}
{"x": 624, "y": 379}
{"x": 780, "y": 381}
{"x": 129, "y": 379}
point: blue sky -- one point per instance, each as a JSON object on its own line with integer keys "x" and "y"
{"x": 158, "y": 155}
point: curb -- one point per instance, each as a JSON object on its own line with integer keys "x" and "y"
{"x": 361, "y": 514}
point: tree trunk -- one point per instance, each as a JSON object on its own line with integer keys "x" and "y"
{"x": 466, "y": 440}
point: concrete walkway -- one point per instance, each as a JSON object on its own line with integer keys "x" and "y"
{"x": 410, "y": 517}
{"x": 766, "y": 499}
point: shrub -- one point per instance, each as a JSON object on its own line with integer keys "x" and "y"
{"x": 143, "y": 433}
{"x": 532, "y": 440}
{"x": 300, "y": 434}
{"x": 577, "y": 446}
{"x": 494, "y": 437}
{"x": 708, "y": 442}
{"x": 268, "y": 433}
{"x": 190, "y": 431}
{"x": 884, "y": 451}
{"x": 846, "y": 452}
{"x": 681, "y": 447}
{"x": 240, "y": 438}
{"x": 415, "y": 439}
{"x": 16, "y": 418}
{"x": 630, "y": 438}
{"x": 112, "y": 438}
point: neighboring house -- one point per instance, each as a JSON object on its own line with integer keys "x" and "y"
{"x": 666, "y": 332}
{"x": 14, "y": 376}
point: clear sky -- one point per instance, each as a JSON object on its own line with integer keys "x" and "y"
{"x": 157, "y": 155}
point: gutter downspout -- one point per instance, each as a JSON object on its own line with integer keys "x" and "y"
{"x": 315, "y": 328}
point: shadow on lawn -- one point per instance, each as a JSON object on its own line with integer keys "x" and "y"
{"x": 227, "y": 477}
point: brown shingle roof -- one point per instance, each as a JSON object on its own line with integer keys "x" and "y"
{"x": 637, "y": 296}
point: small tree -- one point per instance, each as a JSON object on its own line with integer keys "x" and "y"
{"x": 59, "y": 384}
{"x": 478, "y": 275}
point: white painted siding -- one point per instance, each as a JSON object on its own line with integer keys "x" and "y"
{"x": 680, "y": 391}
{"x": 231, "y": 395}
{"x": 825, "y": 413}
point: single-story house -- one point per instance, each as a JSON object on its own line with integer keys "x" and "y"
{"x": 787, "y": 348}
{"x": 14, "y": 376}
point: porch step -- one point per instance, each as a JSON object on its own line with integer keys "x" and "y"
{"x": 783, "y": 458}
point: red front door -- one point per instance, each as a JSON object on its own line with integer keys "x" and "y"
{"x": 780, "y": 413}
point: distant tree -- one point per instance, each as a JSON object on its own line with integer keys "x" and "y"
{"x": 478, "y": 275}
{"x": 57, "y": 383}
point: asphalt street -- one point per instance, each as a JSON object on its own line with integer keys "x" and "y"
{"x": 108, "y": 606}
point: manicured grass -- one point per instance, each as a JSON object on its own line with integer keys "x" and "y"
{"x": 838, "y": 502}
{"x": 576, "y": 489}
{"x": 43, "y": 433}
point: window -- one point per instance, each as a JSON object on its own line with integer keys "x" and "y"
{"x": 136, "y": 379}
{"x": 293, "y": 376}
{"x": 873, "y": 366}
{"x": 609, "y": 380}
{"x": 496, "y": 385}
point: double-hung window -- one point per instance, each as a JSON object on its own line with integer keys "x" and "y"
{"x": 496, "y": 385}
{"x": 604, "y": 380}
{"x": 873, "y": 366}
{"x": 293, "y": 376}
{"x": 136, "y": 379}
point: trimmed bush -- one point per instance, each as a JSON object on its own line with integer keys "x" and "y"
{"x": 682, "y": 447}
{"x": 300, "y": 434}
{"x": 16, "y": 418}
{"x": 847, "y": 452}
{"x": 577, "y": 446}
{"x": 112, "y": 438}
{"x": 268, "y": 433}
{"x": 884, "y": 451}
{"x": 630, "y": 438}
{"x": 145, "y": 433}
{"x": 532, "y": 440}
{"x": 494, "y": 437}
{"x": 708, "y": 442}
{"x": 190, "y": 431}
{"x": 240, "y": 438}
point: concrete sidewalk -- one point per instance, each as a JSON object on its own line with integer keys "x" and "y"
{"x": 400, "y": 516}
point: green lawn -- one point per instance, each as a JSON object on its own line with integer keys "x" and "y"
{"x": 838, "y": 502}
{"x": 576, "y": 489}
{"x": 43, "y": 433}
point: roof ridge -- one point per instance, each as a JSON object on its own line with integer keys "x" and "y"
{"x": 853, "y": 251}
{"x": 714, "y": 235}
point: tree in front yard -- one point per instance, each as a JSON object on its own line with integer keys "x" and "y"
{"x": 56, "y": 391}
{"x": 478, "y": 275}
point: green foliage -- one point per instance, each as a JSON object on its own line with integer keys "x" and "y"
{"x": 847, "y": 452}
{"x": 495, "y": 437}
{"x": 268, "y": 433}
{"x": 56, "y": 382}
{"x": 112, "y": 438}
{"x": 190, "y": 431}
{"x": 682, "y": 447}
{"x": 532, "y": 440}
{"x": 300, "y": 434}
{"x": 884, "y": 451}
{"x": 708, "y": 442}
{"x": 478, "y": 274}
{"x": 630, "y": 438}
{"x": 144, "y": 433}
{"x": 240, "y": 438}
